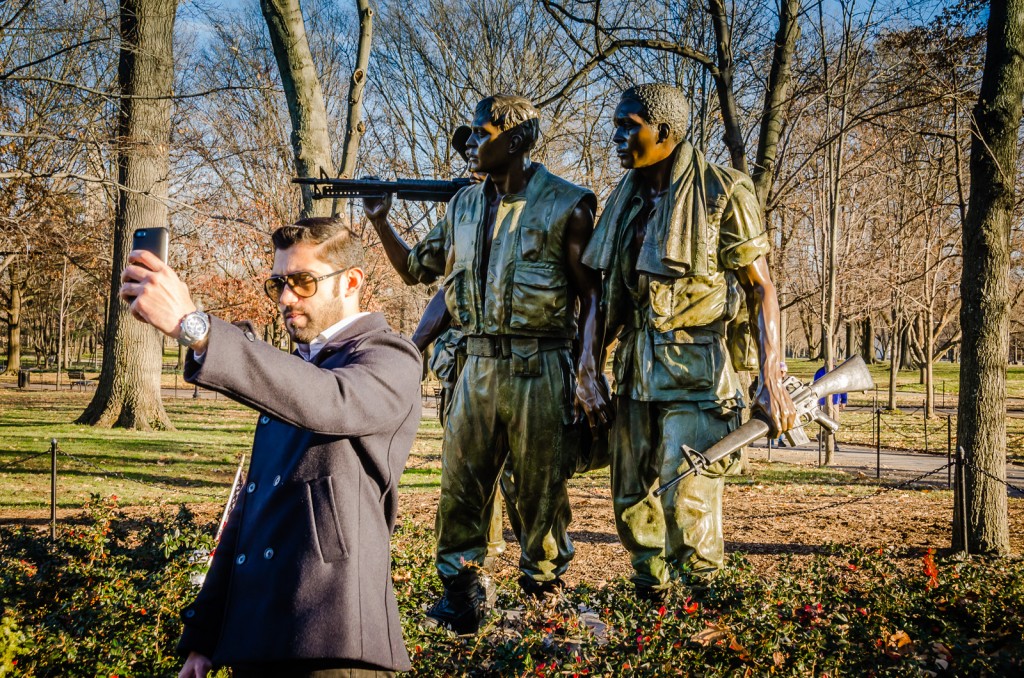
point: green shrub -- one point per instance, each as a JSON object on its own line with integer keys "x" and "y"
{"x": 105, "y": 599}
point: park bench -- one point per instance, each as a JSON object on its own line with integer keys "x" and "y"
{"x": 78, "y": 378}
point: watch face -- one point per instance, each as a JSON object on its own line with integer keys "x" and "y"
{"x": 195, "y": 325}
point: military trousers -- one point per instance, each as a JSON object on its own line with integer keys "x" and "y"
{"x": 682, "y": 528}
{"x": 496, "y": 531}
{"x": 504, "y": 409}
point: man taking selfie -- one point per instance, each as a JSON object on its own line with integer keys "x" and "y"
{"x": 300, "y": 584}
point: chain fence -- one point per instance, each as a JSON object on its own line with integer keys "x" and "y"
{"x": 121, "y": 476}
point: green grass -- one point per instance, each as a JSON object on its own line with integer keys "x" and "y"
{"x": 195, "y": 463}
{"x": 910, "y": 392}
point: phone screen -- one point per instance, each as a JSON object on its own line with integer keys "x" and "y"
{"x": 153, "y": 240}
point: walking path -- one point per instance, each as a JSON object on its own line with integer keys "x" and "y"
{"x": 864, "y": 460}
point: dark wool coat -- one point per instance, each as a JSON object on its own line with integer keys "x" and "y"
{"x": 303, "y": 568}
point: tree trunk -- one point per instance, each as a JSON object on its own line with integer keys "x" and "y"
{"x": 867, "y": 340}
{"x": 775, "y": 98}
{"x": 733, "y": 136}
{"x": 310, "y": 141}
{"x": 894, "y": 360}
{"x": 128, "y": 392}
{"x": 929, "y": 348}
{"x": 355, "y": 126}
{"x": 19, "y": 278}
{"x": 984, "y": 311}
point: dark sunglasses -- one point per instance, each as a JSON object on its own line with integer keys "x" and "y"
{"x": 303, "y": 283}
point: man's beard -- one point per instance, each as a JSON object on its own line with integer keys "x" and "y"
{"x": 316, "y": 321}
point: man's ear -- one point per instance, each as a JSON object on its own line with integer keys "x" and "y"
{"x": 664, "y": 132}
{"x": 352, "y": 281}
{"x": 516, "y": 139}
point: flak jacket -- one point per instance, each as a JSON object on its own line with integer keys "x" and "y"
{"x": 303, "y": 568}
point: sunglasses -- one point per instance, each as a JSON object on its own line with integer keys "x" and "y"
{"x": 303, "y": 283}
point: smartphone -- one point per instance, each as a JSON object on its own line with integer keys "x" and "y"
{"x": 153, "y": 240}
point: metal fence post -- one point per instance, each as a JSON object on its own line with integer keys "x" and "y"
{"x": 878, "y": 443}
{"x": 924, "y": 410}
{"x": 53, "y": 489}
{"x": 949, "y": 451}
{"x": 961, "y": 502}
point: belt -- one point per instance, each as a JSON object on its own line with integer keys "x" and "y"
{"x": 500, "y": 346}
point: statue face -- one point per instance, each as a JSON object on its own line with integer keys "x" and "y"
{"x": 638, "y": 143}
{"x": 487, "y": 148}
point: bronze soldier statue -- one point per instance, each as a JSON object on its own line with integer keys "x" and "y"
{"x": 680, "y": 242}
{"x": 510, "y": 249}
{"x": 447, "y": 358}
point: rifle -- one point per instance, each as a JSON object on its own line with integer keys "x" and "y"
{"x": 852, "y": 375}
{"x": 428, "y": 190}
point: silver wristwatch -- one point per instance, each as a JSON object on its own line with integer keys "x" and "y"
{"x": 194, "y": 328}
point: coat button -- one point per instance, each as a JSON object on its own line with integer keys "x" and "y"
{"x": 264, "y": 419}
{"x": 277, "y": 480}
{"x": 268, "y": 554}
{"x": 251, "y": 488}
{"x": 240, "y": 559}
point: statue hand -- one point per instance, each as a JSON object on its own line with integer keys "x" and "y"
{"x": 773, "y": 399}
{"x": 377, "y": 209}
{"x": 594, "y": 402}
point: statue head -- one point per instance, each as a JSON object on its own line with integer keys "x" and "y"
{"x": 505, "y": 128}
{"x": 650, "y": 122}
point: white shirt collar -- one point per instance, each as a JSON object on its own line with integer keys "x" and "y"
{"x": 310, "y": 350}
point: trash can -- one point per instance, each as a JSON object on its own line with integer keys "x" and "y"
{"x": 23, "y": 378}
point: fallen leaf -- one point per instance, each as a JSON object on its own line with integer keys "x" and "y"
{"x": 712, "y": 634}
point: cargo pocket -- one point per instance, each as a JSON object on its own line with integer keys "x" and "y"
{"x": 531, "y": 243}
{"x": 683, "y": 362}
{"x": 539, "y": 297}
{"x": 323, "y": 514}
{"x": 525, "y": 358}
{"x": 455, "y": 296}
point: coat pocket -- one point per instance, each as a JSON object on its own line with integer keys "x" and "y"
{"x": 683, "y": 362}
{"x": 323, "y": 513}
{"x": 539, "y": 297}
{"x": 531, "y": 243}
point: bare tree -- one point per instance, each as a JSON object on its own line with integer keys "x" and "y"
{"x": 310, "y": 140}
{"x": 128, "y": 393}
{"x": 981, "y": 426}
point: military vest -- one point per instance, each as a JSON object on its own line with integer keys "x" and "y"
{"x": 673, "y": 343}
{"x": 525, "y": 290}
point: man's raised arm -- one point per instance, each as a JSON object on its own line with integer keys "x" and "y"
{"x": 377, "y": 210}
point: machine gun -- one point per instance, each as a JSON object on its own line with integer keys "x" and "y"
{"x": 427, "y": 190}
{"x": 852, "y": 375}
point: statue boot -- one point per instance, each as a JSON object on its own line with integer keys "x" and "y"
{"x": 465, "y": 603}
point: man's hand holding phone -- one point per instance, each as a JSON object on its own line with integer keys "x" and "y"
{"x": 155, "y": 294}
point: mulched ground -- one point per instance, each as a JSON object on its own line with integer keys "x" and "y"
{"x": 917, "y": 519}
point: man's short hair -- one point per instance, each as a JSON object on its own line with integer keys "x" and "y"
{"x": 508, "y": 112}
{"x": 663, "y": 104}
{"x": 337, "y": 244}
